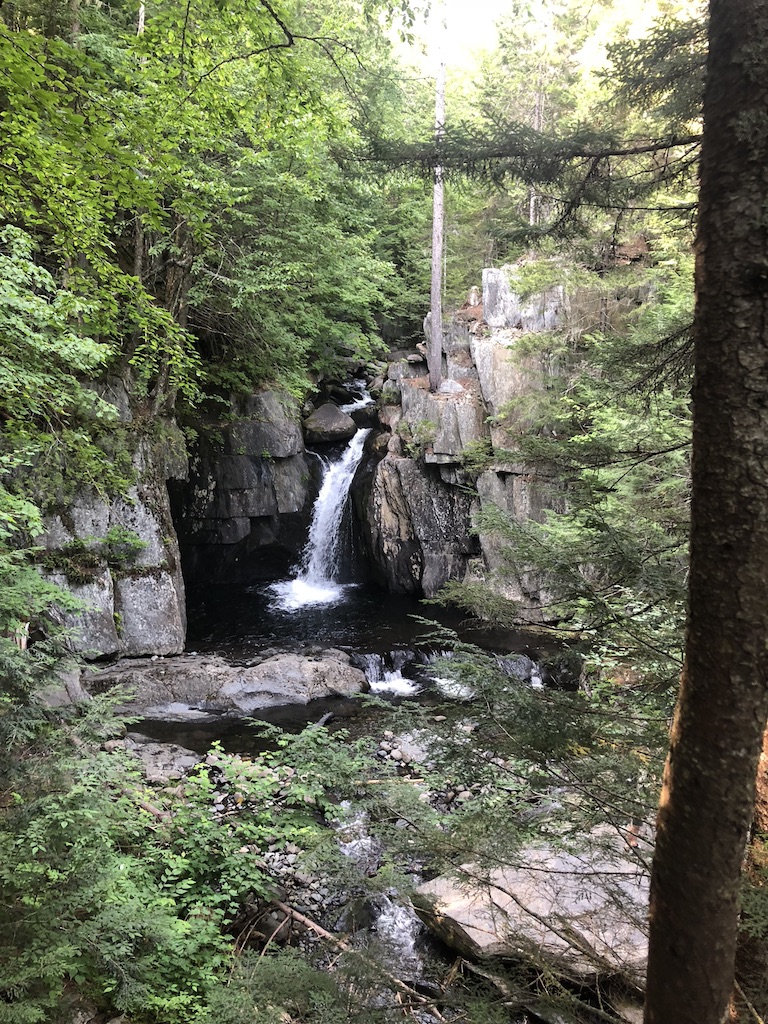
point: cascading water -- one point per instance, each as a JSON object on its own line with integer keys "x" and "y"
{"x": 317, "y": 579}
{"x": 382, "y": 679}
{"x": 362, "y": 401}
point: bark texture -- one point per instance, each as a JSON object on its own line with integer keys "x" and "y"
{"x": 709, "y": 786}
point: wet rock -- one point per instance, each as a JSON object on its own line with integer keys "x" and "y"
{"x": 327, "y": 424}
{"x": 420, "y": 528}
{"x": 202, "y": 686}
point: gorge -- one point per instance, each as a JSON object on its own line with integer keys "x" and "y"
{"x": 303, "y": 565}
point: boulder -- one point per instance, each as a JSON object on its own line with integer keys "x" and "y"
{"x": 151, "y": 614}
{"x": 267, "y": 426}
{"x": 94, "y": 629}
{"x": 201, "y": 686}
{"x": 328, "y": 424}
{"x": 580, "y": 915}
{"x": 160, "y": 762}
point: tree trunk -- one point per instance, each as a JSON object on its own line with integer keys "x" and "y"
{"x": 74, "y": 15}
{"x": 709, "y": 785}
{"x": 435, "y": 340}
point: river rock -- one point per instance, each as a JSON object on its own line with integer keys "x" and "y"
{"x": 201, "y": 686}
{"x": 327, "y": 424}
{"x": 161, "y": 762}
{"x": 582, "y": 915}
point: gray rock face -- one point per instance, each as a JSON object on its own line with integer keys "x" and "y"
{"x": 269, "y": 427}
{"x": 525, "y": 496}
{"x": 327, "y": 424}
{"x": 131, "y": 606}
{"x": 489, "y": 381}
{"x": 420, "y": 527}
{"x": 198, "y": 686}
{"x": 504, "y": 308}
{"x": 581, "y": 916}
{"x": 249, "y": 485}
{"x": 95, "y": 628}
{"x": 454, "y": 418}
{"x": 152, "y": 621}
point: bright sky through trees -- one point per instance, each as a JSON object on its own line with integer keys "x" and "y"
{"x": 471, "y": 26}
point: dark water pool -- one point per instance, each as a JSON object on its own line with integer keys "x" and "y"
{"x": 240, "y": 622}
{"x": 243, "y": 622}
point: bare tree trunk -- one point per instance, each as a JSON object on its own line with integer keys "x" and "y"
{"x": 709, "y": 786}
{"x": 538, "y": 117}
{"x": 138, "y": 234}
{"x": 435, "y": 340}
{"x": 74, "y": 26}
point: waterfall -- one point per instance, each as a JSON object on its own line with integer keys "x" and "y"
{"x": 316, "y": 581}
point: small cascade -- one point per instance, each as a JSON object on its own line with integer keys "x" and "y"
{"x": 445, "y": 683}
{"x": 398, "y": 928}
{"x": 395, "y": 924}
{"x": 317, "y": 579}
{"x": 362, "y": 400}
{"x": 521, "y": 667}
{"x": 388, "y": 679}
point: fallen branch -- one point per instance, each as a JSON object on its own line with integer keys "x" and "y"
{"x": 750, "y": 1007}
{"x": 156, "y": 812}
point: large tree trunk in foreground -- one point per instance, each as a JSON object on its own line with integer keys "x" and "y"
{"x": 708, "y": 794}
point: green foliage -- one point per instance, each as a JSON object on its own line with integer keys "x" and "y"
{"x": 531, "y": 277}
{"x": 82, "y": 558}
{"x": 263, "y": 989}
{"x": 477, "y": 456}
{"x": 662, "y": 74}
{"x": 417, "y": 436}
{"x": 127, "y": 892}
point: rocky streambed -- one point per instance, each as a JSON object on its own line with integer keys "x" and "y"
{"x": 578, "y": 917}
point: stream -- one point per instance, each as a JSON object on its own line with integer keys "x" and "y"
{"x": 319, "y": 606}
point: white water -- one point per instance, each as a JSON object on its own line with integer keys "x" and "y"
{"x": 316, "y": 582}
{"x": 398, "y": 928}
{"x": 384, "y": 680}
{"x": 396, "y": 924}
{"x": 395, "y": 682}
{"x": 362, "y": 401}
